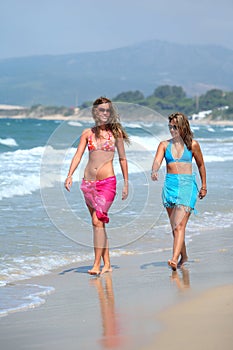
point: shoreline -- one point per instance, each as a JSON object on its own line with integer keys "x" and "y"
{"x": 59, "y": 117}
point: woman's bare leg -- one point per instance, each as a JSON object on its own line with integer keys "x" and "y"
{"x": 178, "y": 219}
{"x": 101, "y": 249}
{"x": 97, "y": 251}
{"x": 183, "y": 253}
{"x": 99, "y": 240}
{"x": 183, "y": 256}
{"x": 106, "y": 259}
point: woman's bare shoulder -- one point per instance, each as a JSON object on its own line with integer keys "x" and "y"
{"x": 87, "y": 132}
{"x": 164, "y": 143}
{"x": 195, "y": 145}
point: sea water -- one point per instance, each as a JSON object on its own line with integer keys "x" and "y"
{"x": 43, "y": 227}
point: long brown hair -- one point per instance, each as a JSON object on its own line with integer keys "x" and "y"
{"x": 113, "y": 124}
{"x": 183, "y": 127}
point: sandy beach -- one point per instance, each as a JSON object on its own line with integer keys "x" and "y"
{"x": 125, "y": 118}
{"x": 205, "y": 322}
{"x": 142, "y": 304}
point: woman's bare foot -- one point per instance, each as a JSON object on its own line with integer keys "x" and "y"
{"x": 106, "y": 269}
{"x": 94, "y": 271}
{"x": 172, "y": 264}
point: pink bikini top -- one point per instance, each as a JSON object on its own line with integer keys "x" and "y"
{"x": 103, "y": 144}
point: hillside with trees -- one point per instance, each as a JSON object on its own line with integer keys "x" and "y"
{"x": 167, "y": 99}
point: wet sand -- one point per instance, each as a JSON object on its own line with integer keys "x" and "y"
{"x": 142, "y": 304}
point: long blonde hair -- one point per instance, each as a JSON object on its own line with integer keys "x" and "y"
{"x": 183, "y": 127}
{"x": 113, "y": 123}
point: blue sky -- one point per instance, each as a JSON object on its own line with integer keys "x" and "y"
{"x": 38, "y": 27}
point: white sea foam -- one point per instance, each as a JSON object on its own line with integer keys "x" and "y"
{"x": 22, "y": 267}
{"x": 212, "y": 158}
{"x": 25, "y": 171}
{"x": 22, "y": 297}
{"x": 73, "y": 123}
{"x": 195, "y": 127}
{"x": 132, "y": 125}
{"x": 145, "y": 143}
{"x": 210, "y": 129}
{"x": 19, "y": 172}
{"x": 8, "y": 142}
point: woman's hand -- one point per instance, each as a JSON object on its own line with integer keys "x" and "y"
{"x": 202, "y": 192}
{"x": 68, "y": 183}
{"x": 154, "y": 175}
{"x": 125, "y": 191}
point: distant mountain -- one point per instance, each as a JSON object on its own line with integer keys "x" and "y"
{"x": 72, "y": 79}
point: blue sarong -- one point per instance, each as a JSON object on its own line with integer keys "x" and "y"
{"x": 180, "y": 190}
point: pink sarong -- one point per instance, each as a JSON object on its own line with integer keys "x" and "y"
{"x": 99, "y": 195}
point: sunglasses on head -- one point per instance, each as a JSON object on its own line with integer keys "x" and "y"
{"x": 174, "y": 127}
{"x": 107, "y": 110}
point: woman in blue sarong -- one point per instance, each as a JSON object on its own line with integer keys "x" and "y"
{"x": 180, "y": 190}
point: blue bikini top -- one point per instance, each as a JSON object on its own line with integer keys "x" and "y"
{"x": 185, "y": 158}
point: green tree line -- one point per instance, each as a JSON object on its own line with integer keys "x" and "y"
{"x": 167, "y": 99}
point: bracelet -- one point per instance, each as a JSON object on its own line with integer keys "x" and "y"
{"x": 204, "y": 189}
{"x": 70, "y": 176}
{"x": 153, "y": 172}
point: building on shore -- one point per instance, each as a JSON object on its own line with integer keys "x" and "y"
{"x": 200, "y": 115}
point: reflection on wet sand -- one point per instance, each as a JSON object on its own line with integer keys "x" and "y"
{"x": 111, "y": 337}
{"x": 181, "y": 278}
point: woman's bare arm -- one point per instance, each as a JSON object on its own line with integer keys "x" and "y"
{"x": 77, "y": 158}
{"x": 198, "y": 156}
{"x": 123, "y": 164}
{"x": 158, "y": 160}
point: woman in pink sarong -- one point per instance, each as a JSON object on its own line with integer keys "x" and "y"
{"x": 99, "y": 182}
